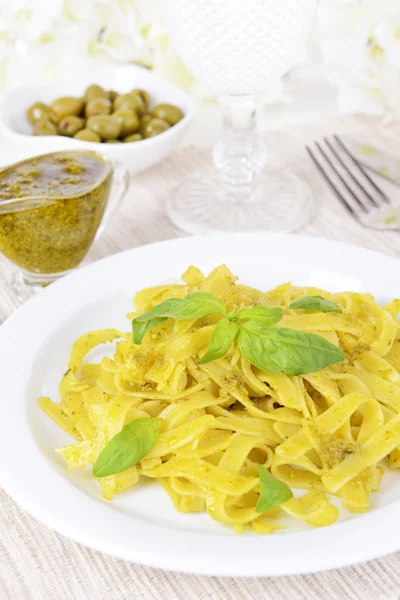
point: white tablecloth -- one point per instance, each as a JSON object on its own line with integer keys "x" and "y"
{"x": 38, "y": 564}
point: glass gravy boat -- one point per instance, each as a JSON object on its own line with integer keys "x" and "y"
{"x": 52, "y": 208}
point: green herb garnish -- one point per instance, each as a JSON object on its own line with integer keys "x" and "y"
{"x": 139, "y": 328}
{"x": 286, "y": 350}
{"x": 273, "y": 492}
{"x": 126, "y": 448}
{"x": 194, "y": 306}
{"x": 315, "y": 303}
{"x": 264, "y": 314}
{"x": 221, "y": 340}
{"x": 273, "y": 350}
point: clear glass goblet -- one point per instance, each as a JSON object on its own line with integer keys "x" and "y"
{"x": 238, "y": 49}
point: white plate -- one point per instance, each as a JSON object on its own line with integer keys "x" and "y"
{"x": 141, "y": 525}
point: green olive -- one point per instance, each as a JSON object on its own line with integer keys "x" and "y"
{"x": 145, "y": 96}
{"x": 44, "y": 127}
{"x": 94, "y": 91}
{"x": 106, "y": 126}
{"x": 134, "y": 137}
{"x": 110, "y": 116}
{"x": 68, "y": 105}
{"x": 70, "y": 125}
{"x": 112, "y": 94}
{"x": 130, "y": 102}
{"x": 38, "y": 110}
{"x": 98, "y": 106}
{"x": 167, "y": 112}
{"x": 155, "y": 127}
{"x": 144, "y": 121}
{"x": 87, "y": 135}
{"x": 113, "y": 141}
{"x": 129, "y": 121}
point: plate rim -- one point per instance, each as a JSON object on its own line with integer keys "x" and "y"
{"x": 386, "y": 538}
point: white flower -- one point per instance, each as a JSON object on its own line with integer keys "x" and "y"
{"x": 360, "y": 44}
{"x": 47, "y": 39}
{"x": 113, "y": 28}
{"x": 25, "y": 20}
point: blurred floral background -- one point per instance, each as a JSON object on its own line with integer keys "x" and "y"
{"x": 354, "y": 46}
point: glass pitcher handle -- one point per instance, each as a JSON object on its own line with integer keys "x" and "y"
{"x": 119, "y": 187}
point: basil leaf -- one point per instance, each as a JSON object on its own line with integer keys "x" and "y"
{"x": 221, "y": 340}
{"x": 264, "y": 314}
{"x": 273, "y": 492}
{"x": 139, "y": 329}
{"x": 126, "y": 448}
{"x": 194, "y": 306}
{"x": 287, "y": 350}
{"x": 315, "y": 303}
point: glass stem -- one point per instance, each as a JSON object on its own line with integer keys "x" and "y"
{"x": 239, "y": 154}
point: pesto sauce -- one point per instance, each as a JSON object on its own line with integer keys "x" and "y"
{"x": 57, "y": 204}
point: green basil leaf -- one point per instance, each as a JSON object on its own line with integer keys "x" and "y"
{"x": 273, "y": 492}
{"x": 194, "y": 306}
{"x": 221, "y": 340}
{"x": 315, "y": 303}
{"x": 293, "y": 352}
{"x": 264, "y": 314}
{"x": 166, "y": 309}
{"x": 140, "y": 328}
{"x": 126, "y": 448}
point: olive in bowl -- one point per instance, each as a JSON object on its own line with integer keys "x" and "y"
{"x": 135, "y": 151}
{"x": 103, "y": 115}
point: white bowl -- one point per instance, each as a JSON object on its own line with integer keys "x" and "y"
{"x": 135, "y": 156}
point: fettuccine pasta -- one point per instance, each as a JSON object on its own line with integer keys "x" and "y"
{"x": 326, "y": 434}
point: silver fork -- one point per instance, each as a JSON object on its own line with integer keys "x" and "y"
{"x": 353, "y": 185}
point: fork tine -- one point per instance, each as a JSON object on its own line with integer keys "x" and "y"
{"x": 344, "y": 182}
{"x": 320, "y": 168}
{"x": 350, "y": 174}
{"x": 362, "y": 169}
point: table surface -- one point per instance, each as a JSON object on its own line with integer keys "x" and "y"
{"x": 37, "y": 563}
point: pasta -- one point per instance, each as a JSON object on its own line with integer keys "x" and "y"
{"x": 325, "y": 434}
